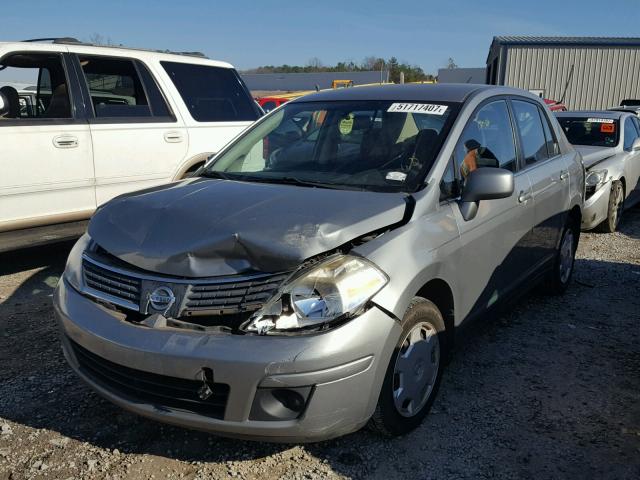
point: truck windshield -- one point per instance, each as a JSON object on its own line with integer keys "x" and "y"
{"x": 372, "y": 145}
{"x": 590, "y": 131}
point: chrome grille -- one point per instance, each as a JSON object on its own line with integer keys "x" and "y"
{"x": 232, "y": 297}
{"x": 112, "y": 283}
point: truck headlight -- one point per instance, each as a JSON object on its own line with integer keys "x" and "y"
{"x": 596, "y": 178}
{"x": 335, "y": 289}
{"x": 73, "y": 269}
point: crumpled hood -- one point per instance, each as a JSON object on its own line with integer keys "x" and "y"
{"x": 594, "y": 155}
{"x": 205, "y": 227}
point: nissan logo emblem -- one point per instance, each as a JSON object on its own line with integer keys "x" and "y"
{"x": 161, "y": 299}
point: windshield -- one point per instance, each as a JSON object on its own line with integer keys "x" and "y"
{"x": 595, "y": 132}
{"x": 372, "y": 145}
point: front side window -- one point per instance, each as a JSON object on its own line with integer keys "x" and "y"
{"x": 630, "y": 133}
{"x": 212, "y": 94}
{"x": 35, "y": 86}
{"x": 487, "y": 140}
{"x": 590, "y": 131}
{"x": 529, "y": 123}
{"x": 115, "y": 87}
{"x": 374, "y": 145}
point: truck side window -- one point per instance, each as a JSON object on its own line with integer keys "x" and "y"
{"x": 115, "y": 87}
{"x": 35, "y": 86}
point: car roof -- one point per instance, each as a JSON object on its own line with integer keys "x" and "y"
{"x": 444, "y": 92}
{"x": 613, "y": 114}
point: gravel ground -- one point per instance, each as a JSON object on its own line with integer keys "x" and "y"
{"x": 550, "y": 389}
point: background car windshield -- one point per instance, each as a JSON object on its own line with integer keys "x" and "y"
{"x": 595, "y": 132}
{"x": 365, "y": 145}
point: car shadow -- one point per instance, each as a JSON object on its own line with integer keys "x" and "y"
{"x": 39, "y": 390}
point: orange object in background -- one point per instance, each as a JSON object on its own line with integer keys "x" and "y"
{"x": 608, "y": 127}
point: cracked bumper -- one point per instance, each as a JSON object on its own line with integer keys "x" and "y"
{"x": 344, "y": 367}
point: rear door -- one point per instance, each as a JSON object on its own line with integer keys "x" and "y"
{"x": 46, "y": 159}
{"x": 548, "y": 173}
{"x": 138, "y": 141}
{"x": 494, "y": 256}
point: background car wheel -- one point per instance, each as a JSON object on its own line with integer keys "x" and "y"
{"x": 559, "y": 278}
{"x": 614, "y": 211}
{"x": 414, "y": 372}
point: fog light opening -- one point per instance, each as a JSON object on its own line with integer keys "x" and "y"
{"x": 290, "y": 399}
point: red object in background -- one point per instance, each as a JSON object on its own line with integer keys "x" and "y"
{"x": 608, "y": 128}
{"x": 270, "y": 103}
{"x": 555, "y": 106}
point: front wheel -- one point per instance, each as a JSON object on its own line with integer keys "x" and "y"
{"x": 614, "y": 209}
{"x": 414, "y": 372}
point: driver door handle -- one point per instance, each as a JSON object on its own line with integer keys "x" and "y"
{"x": 65, "y": 141}
{"x": 524, "y": 197}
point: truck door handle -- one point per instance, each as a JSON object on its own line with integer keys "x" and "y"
{"x": 173, "y": 137}
{"x": 65, "y": 141}
{"x": 524, "y": 197}
{"x": 564, "y": 176}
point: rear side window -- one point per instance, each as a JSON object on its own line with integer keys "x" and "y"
{"x": 212, "y": 94}
{"x": 553, "y": 148}
{"x": 115, "y": 87}
{"x": 534, "y": 143}
{"x": 159, "y": 106}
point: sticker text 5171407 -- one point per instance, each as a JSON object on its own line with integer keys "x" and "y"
{"x": 426, "y": 108}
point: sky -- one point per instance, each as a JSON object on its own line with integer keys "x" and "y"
{"x": 269, "y": 32}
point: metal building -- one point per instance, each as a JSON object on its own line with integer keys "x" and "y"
{"x": 462, "y": 75}
{"x": 584, "y": 72}
{"x": 288, "y": 82}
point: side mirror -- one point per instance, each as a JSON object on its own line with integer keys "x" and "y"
{"x": 4, "y": 104}
{"x": 484, "y": 184}
{"x": 635, "y": 146}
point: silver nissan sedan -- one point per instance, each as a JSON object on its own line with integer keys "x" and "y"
{"x": 313, "y": 276}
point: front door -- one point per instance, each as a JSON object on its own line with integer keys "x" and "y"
{"x": 45, "y": 147}
{"x": 494, "y": 254}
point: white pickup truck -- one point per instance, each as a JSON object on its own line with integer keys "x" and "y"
{"x": 92, "y": 122}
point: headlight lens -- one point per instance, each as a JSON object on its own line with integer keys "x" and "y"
{"x": 339, "y": 286}
{"x": 73, "y": 269}
{"x": 596, "y": 178}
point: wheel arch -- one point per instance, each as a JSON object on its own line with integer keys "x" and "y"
{"x": 189, "y": 164}
{"x": 440, "y": 293}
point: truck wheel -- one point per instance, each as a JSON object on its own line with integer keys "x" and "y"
{"x": 558, "y": 280}
{"x": 614, "y": 211}
{"x": 414, "y": 372}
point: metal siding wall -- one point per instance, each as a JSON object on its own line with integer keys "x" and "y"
{"x": 602, "y": 75}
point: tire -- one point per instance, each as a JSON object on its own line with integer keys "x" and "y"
{"x": 615, "y": 208}
{"x": 559, "y": 278}
{"x": 398, "y": 413}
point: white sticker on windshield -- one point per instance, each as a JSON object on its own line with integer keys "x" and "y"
{"x": 428, "y": 108}
{"x": 599, "y": 120}
{"x": 396, "y": 176}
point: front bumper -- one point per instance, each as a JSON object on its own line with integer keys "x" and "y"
{"x": 596, "y": 207}
{"x": 344, "y": 367}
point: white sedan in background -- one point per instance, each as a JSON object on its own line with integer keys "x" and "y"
{"x": 609, "y": 142}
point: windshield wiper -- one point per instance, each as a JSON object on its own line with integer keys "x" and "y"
{"x": 215, "y": 174}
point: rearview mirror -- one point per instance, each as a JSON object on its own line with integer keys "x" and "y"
{"x": 635, "y": 146}
{"x": 484, "y": 184}
{"x": 4, "y": 104}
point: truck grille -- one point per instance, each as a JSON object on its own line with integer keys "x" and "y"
{"x": 151, "y": 388}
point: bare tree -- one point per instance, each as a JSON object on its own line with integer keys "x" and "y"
{"x": 315, "y": 62}
{"x": 98, "y": 39}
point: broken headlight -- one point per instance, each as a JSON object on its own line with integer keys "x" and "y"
{"x": 596, "y": 178}
{"x": 335, "y": 289}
